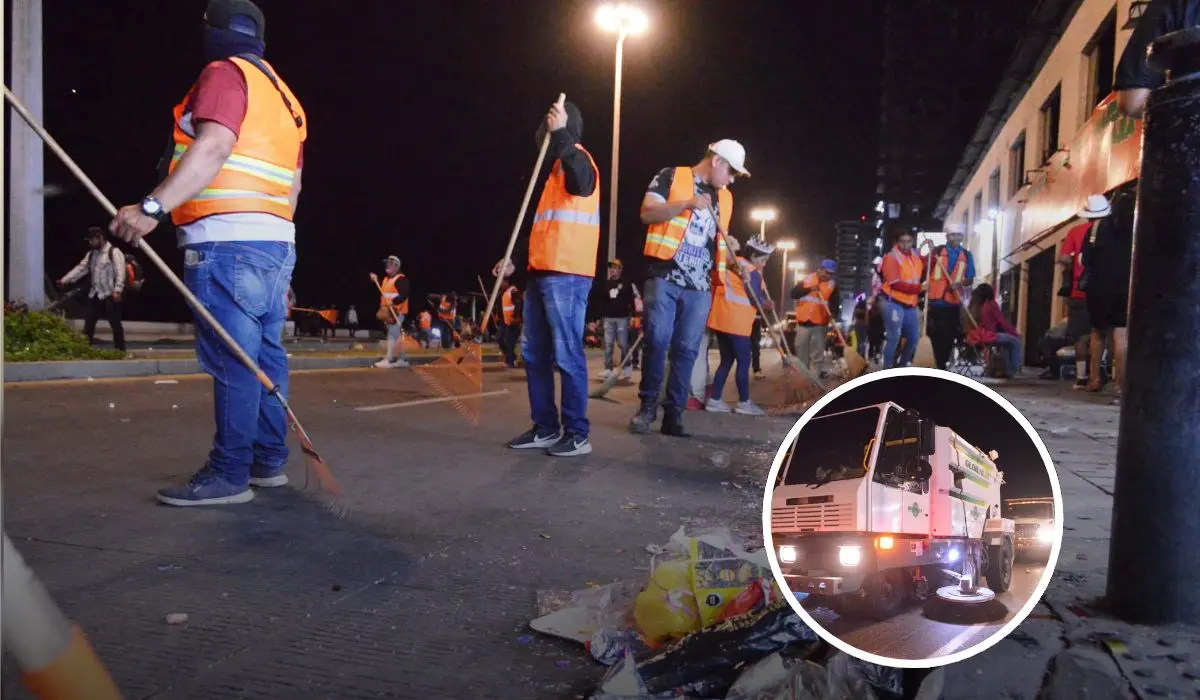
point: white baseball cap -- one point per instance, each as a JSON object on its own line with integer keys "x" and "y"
{"x": 733, "y": 152}
{"x": 956, "y": 228}
{"x": 1097, "y": 207}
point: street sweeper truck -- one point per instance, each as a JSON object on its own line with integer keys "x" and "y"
{"x": 878, "y": 505}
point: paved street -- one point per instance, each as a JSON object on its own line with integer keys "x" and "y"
{"x": 424, "y": 592}
{"x": 926, "y": 631}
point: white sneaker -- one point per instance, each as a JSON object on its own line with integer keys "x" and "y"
{"x": 716, "y": 406}
{"x": 383, "y": 364}
{"x": 747, "y": 408}
{"x": 400, "y": 364}
{"x": 627, "y": 374}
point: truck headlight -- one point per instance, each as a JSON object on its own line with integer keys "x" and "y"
{"x": 787, "y": 554}
{"x": 849, "y": 556}
{"x": 1046, "y": 535}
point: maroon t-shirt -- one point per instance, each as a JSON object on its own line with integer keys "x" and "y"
{"x": 220, "y": 96}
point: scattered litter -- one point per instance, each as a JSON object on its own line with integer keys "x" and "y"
{"x": 126, "y": 420}
{"x": 337, "y": 587}
{"x": 166, "y": 381}
{"x": 174, "y": 407}
{"x": 525, "y": 639}
{"x": 177, "y": 618}
{"x": 562, "y": 664}
{"x": 629, "y": 506}
{"x": 545, "y": 535}
{"x": 111, "y": 406}
{"x": 170, "y": 567}
{"x": 90, "y": 379}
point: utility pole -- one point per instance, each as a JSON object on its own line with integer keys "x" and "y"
{"x": 1153, "y": 559}
{"x": 27, "y": 227}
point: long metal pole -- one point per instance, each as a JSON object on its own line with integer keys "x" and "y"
{"x": 783, "y": 277}
{"x": 26, "y": 212}
{"x": 616, "y": 149}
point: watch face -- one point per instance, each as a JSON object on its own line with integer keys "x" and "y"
{"x": 151, "y": 207}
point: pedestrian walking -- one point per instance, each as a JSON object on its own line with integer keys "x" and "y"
{"x": 731, "y": 319}
{"x": 950, "y": 278}
{"x": 232, "y": 187}
{"x": 104, "y": 265}
{"x": 902, "y": 270}
{"x": 1079, "y": 322}
{"x": 616, "y": 307}
{"x": 563, "y": 243}
{"x": 393, "y": 308}
{"x": 817, "y": 305}
{"x": 1108, "y": 265}
{"x": 352, "y": 321}
{"x": 682, "y": 207}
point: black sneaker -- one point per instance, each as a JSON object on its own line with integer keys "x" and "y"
{"x": 570, "y": 446}
{"x": 673, "y": 426}
{"x": 644, "y": 418}
{"x": 534, "y": 439}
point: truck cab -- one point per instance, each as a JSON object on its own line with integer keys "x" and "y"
{"x": 1034, "y": 520}
{"x": 878, "y": 504}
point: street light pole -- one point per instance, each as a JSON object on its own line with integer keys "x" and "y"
{"x": 624, "y": 20}
{"x": 784, "y": 247}
{"x": 616, "y": 147}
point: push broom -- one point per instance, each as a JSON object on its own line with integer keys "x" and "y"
{"x": 328, "y": 487}
{"x": 608, "y": 384}
{"x": 924, "y": 356}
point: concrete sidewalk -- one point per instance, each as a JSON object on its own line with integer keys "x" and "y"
{"x": 1068, "y": 644}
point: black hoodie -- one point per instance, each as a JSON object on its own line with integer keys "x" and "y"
{"x": 577, "y": 168}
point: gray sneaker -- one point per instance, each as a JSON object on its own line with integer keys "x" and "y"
{"x": 748, "y": 408}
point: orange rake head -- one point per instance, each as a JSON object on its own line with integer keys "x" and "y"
{"x": 458, "y": 375}
{"x": 318, "y": 477}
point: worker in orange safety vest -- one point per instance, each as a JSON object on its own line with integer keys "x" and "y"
{"x": 231, "y": 187}
{"x": 817, "y": 305}
{"x": 563, "y": 243}
{"x": 950, "y": 281}
{"x": 393, "y": 308}
{"x": 425, "y": 327}
{"x": 901, "y": 271}
{"x": 508, "y": 331}
{"x": 731, "y": 320}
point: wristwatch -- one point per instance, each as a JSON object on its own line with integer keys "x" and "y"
{"x": 153, "y": 208}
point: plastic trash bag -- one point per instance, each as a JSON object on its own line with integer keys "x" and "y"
{"x": 666, "y": 609}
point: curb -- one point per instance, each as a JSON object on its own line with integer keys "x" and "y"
{"x": 17, "y": 372}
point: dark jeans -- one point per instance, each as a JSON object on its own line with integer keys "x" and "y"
{"x": 448, "y": 338}
{"x": 634, "y": 335}
{"x": 242, "y": 284}
{"x": 733, "y": 347}
{"x": 675, "y": 320}
{"x": 945, "y": 327}
{"x": 111, "y": 310}
{"x": 756, "y": 344}
{"x": 1049, "y": 348}
{"x": 555, "y": 307}
{"x": 507, "y": 338}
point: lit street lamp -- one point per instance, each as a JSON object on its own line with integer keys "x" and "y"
{"x": 762, "y": 216}
{"x": 797, "y": 268}
{"x": 624, "y": 20}
{"x": 784, "y": 246}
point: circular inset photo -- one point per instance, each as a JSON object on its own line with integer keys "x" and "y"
{"x": 913, "y": 518}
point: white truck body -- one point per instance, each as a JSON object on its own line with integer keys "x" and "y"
{"x": 855, "y": 482}
{"x": 1034, "y": 521}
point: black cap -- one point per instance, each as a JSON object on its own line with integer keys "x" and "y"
{"x": 94, "y": 232}
{"x": 233, "y": 14}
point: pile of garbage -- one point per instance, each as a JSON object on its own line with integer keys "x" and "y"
{"x": 711, "y": 624}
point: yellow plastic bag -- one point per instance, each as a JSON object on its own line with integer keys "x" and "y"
{"x": 666, "y": 609}
{"x": 718, "y": 575}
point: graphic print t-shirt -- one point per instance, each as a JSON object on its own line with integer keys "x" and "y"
{"x": 692, "y": 265}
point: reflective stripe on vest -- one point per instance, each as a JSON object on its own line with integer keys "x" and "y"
{"x": 390, "y": 293}
{"x": 910, "y": 271}
{"x": 813, "y": 307}
{"x": 259, "y": 175}
{"x": 732, "y": 310}
{"x": 662, "y": 240}
{"x": 938, "y": 287}
{"x": 565, "y": 236}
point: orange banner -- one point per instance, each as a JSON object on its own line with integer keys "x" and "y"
{"x": 1107, "y": 153}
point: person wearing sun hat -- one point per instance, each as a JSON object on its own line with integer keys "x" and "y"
{"x": 817, "y": 305}
{"x": 683, "y": 207}
{"x": 1079, "y": 322}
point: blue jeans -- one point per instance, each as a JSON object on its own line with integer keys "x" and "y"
{"x": 900, "y": 320}
{"x": 1012, "y": 359}
{"x": 733, "y": 347}
{"x": 675, "y": 321}
{"x": 242, "y": 284}
{"x": 555, "y": 307}
{"x": 616, "y": 332}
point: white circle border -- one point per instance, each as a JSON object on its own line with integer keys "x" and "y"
{"x": 996, "y": 637}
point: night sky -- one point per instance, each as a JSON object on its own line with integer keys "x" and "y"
{"x": 422, "y": 122}
{"x": 975, "y": 417}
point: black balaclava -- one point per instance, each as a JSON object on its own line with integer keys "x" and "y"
{"x": 574, "y": 124}
{"x": 233, "y": 27}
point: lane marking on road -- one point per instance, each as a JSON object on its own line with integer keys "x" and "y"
{"x": 953, "y": 645}
{"x": 423, "y": 402}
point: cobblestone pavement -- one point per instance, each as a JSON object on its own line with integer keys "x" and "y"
{"x": 427, "y": 589}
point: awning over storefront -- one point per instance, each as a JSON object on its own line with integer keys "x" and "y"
{"x": 1106, "y": 154}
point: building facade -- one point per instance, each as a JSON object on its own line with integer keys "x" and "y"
{"x": 1051, "y": 136}
{"x": 940, "y": 63}
{"x": 855, "y": 251}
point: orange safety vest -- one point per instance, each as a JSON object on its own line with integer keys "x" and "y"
{"x": 258, "y": 176}
{"x": 814, "y": 308}
{"x": 939, "y": 286}
{"x": 566, "y": 229}
{"x": 662, "y": 240}
{"x": 911, "y": 267}
{"x": 426, "y": 320}
{"x": 446, "y": 311}
{"x": 389, "y": 293}
{"x": 508, "y": 306}
{"x": 732, "y": 310}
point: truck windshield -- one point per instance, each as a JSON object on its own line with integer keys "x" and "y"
{"x": 1031, "y": 510}
{"x": 832, "y": 448}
